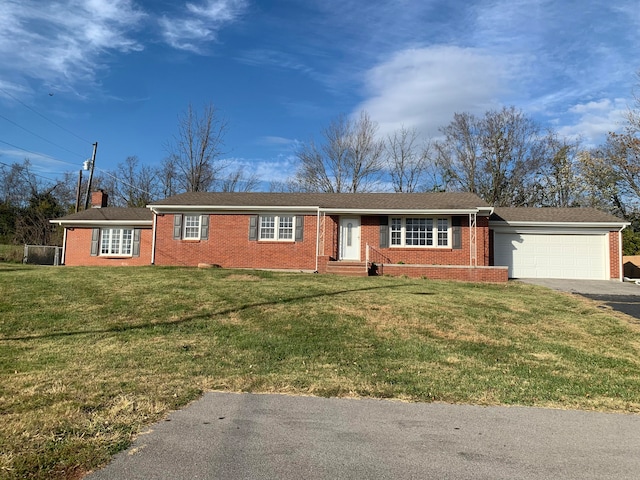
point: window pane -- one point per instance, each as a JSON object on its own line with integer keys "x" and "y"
{"x": 429, "y": 227}
{"x": 396, "y": 231}
{"x": 192, "y": 226}
{"x": 267, "y": 227}
{"x": 104, "y": 243}
{"x": 416, "y": 231}
{"x": 115, "y": 241}
{"x": 127, "y": 237}
{"x": 285, "y": 230}
{"x": 443, "y": 232}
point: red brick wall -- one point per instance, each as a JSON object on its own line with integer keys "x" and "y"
{"x": 331, "y": 233}
{"x": 78, "y": 250}
{"x": 461, "y": 273}
{"x": 229, "y": 246}
{"x": 615, "y": 264}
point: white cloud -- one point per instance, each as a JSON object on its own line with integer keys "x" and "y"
{"x": 424, "y": 87}
{"x": 268, "y": 171}
{"x": 200, "y": 23}
{"x": 593, "y": 120}
{"x": 59, "y": 42}
{"x": 277, "y": 141}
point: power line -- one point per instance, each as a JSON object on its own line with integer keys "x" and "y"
{"x": 40, "y": 137}
{"x": 41, "y": 115}
{"x": 36, "y": 153}
{"x": 34, "y": 174}
{"x": 106, "y": 172}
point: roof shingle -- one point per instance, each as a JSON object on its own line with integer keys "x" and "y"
{"x": 365, "y": 201}
{"x": 552, "y": 215}
{"x": 111, "y": 214}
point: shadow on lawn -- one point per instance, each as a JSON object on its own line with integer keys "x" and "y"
{"x": 124, "y": 328}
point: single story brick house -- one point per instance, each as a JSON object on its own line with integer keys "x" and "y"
{"x": 438, "y": 235}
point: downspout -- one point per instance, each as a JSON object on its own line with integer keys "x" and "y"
{"x": 317, "y": 237}
{"x": 64, "y": 245}
{"x": 153, "y": 239}
{"x": 620, "y": 265}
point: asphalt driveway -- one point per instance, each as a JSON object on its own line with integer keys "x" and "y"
{"x": 621, "y": 296}
{"x": 248, "y": 436}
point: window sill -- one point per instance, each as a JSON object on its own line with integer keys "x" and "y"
{"x": 419, "y": 247}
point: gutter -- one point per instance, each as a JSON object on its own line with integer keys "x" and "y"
{"x": 160, "y": 209}
{"x": 560, "y": 224}
{"x": 163, "y": 209}
{"x": 101, "y": 223}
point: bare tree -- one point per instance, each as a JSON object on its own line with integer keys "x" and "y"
{"x": 603, "y": 186}
{"x": 134, "y": 184}
{"x": 196, "y": 150}
{"x": 560, "y": 182}
{"x": 239, "y": 181}
{"x": 349, "y": 159}
{"x": 458, "y": 154}
{"x": 28, "y": 202}
{"x": 497, "y": 156}
{"x": 407, "y": 160}
{"x": 167, "y": 177}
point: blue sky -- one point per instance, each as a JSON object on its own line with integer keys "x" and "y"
{"x": 119, "y": 72}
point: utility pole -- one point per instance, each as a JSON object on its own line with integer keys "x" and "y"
{"x": 78, "y": 191}
{"x": 93, "y": 166}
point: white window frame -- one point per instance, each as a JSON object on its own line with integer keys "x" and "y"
{"x": 433, "y": 232}
{"x": 189, "y": 226}
{"x": 281, "y": 229}
{"x": 119, "y": 242}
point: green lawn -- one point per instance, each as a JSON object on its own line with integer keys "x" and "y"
{"x": 90, "y": 356}
{"x": 11, "y": 253}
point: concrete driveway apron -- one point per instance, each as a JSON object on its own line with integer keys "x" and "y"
{"x": 621, "y": 296}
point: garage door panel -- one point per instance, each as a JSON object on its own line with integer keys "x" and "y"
{"x": 531, "y": 255}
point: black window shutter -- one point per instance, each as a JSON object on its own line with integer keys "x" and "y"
{"x": 135, "y": 249}
{"x": 299, "y": 228}
{"x": 95, "y": 240}
{"x": 204, "y": 227}
{"x": 384, "y": 232}
{"x": 253, "y": 227}
{"x": 456, "y": 231}
{"x": 177, "y": 226}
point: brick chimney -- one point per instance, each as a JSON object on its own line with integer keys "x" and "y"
{"x": 99, "y": 199}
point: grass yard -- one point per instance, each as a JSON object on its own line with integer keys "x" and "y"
{"x": 90, "y": 356}
{"x": 11, "y": 253}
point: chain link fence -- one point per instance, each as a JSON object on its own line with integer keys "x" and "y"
{"x": 42, "y": 255}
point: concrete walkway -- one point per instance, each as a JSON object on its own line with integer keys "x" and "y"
{"x": 248, "y": 436}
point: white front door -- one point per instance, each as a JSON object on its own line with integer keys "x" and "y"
{"x": 350, "y": 238}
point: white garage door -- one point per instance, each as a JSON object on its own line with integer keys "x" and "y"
{"x": 552, "y": 256}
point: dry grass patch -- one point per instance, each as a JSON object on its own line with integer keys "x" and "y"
{"x": 85, "y": 366}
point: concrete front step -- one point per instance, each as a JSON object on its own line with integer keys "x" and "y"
{"x": 351, "y": 269}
